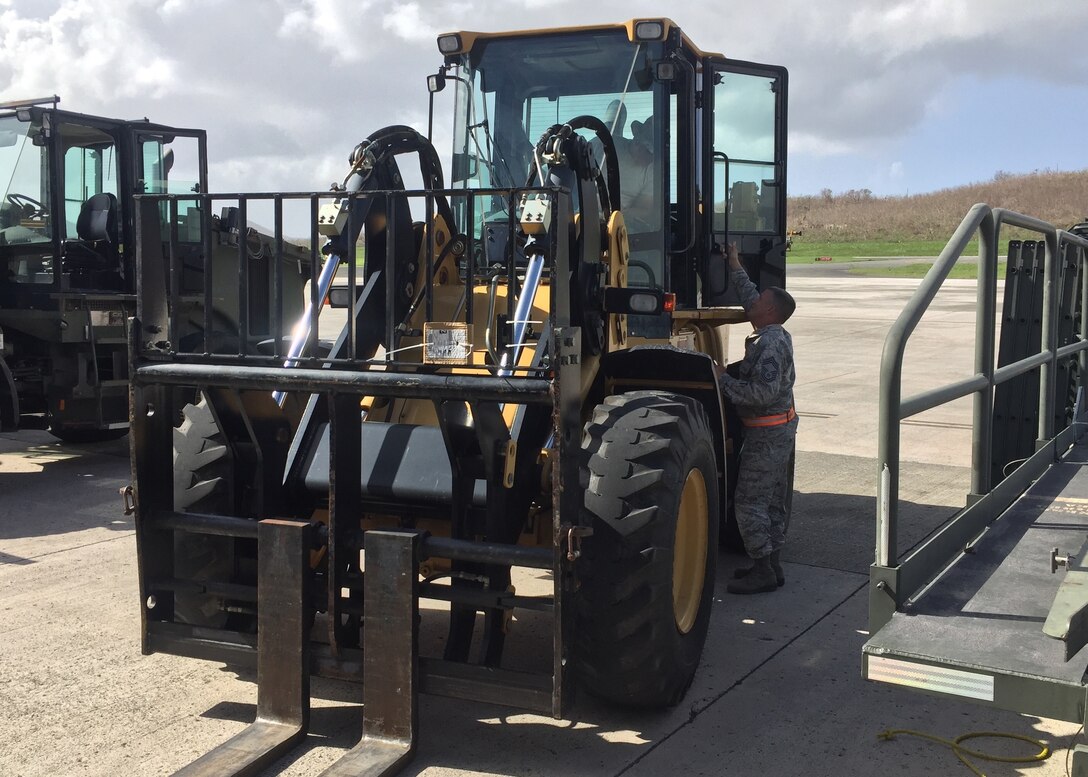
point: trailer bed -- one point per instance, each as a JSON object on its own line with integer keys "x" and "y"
{"x": 976, "y": 631}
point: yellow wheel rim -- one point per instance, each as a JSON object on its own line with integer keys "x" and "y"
{"x": 689, "y": 552}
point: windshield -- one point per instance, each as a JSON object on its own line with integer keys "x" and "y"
{"x": 509, "y": 91}
{"x": 23, "y": 184}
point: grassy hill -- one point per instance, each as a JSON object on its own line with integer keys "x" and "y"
{"x": 857, "y": 216}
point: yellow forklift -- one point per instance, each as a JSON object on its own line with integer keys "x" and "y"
{"x": 522, "y": 378}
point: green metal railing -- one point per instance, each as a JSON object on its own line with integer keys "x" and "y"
{"x": 893, "y": 580}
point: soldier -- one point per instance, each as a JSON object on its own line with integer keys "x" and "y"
{"x": 761, "y": 389}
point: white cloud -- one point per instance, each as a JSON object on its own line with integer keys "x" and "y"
{"x": 337, "y": 26}
{"x": 81, "y": 48}
{"x": 287, "y": 88}
{"x": 816, "y": 145}
{"x": 406, "y": 21}
{"x": 891, "y": 31}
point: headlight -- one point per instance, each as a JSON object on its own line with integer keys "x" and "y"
{"x": 645, "y": 303}
{"x": 449, "y": 44}
{"x": 628, "y": 301}
{"x": 649, "y": 30}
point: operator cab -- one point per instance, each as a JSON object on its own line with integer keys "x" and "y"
{"x": 66, "y": 181}
{"x": 700, "y": 140}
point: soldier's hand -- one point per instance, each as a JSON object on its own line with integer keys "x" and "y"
{"x": 732, "y": 255}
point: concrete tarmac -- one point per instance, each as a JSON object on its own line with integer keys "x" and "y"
{"x": 779, "y": 691}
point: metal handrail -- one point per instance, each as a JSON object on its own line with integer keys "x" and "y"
{"x": 893, "y": 408}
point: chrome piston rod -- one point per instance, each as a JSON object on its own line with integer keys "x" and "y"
{"x": 300, "y": 333}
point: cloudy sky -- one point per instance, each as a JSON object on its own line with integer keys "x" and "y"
{"x": 896, "y": 97}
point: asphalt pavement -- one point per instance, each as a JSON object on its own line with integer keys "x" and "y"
{"x": 779, "y": 691}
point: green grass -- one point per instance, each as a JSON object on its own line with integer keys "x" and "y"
{"x": 919, "y": 269}
{"x": 806, "y": 252}
{"x": 868, "y": 250}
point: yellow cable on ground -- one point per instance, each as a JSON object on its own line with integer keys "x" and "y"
{"x": 963, "y": 752}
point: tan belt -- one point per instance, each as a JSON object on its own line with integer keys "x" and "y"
{"x": 770, "y": 420}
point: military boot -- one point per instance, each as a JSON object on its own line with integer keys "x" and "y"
{"x": 775, "y": 565}
{"x": 760, "y": 579}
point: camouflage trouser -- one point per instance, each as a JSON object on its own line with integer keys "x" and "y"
{"x": 761, "y": 498}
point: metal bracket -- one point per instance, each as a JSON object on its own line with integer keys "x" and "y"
{"x": 128, "y": 499}
{"x": 509, "y": 455}
{"x": 283, "y": 671}
{"x": 1068, "y": 616}
{"x": 1060, "y": 561}
{"x": 575, "y": 534}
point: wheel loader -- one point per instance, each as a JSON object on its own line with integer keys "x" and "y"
{"x": 499, "y": 409}
{"x": 67, "y": 264}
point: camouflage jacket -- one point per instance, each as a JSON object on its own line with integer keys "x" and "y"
{"x": 766, "y": 375}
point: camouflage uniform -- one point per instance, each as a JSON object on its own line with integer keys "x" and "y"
{"x": 764, "y": 387}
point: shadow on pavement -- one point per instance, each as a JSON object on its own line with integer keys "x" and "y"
{"x": 833, "y": 523}
{"x": 48, "y": 487}
{"x": 838, "y": 531}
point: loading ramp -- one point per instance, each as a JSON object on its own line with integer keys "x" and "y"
{"x": 977, "y": 631}
{"x": 993, "y": 606}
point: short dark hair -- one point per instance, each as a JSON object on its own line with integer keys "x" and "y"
{"x": 784, "y": 303}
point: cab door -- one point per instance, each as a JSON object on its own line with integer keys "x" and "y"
{"x": 745, "y": 126}
{"x": 172, "y": 161}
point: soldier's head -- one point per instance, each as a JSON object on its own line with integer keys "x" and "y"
{"x": 774, "y": 306}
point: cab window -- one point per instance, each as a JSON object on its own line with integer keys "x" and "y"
{"x": 746, "y": 177}
{"x": 90, "y": 168}
{"x": 170, "y": 164}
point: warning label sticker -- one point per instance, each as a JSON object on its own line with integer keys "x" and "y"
{"x": 447, "y": 343}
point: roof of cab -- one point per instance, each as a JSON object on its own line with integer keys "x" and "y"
{"x": 469, "y": 38}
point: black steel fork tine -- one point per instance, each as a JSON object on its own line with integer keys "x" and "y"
{"x": 390, "y": 664}
{"x": 283, "y": 676}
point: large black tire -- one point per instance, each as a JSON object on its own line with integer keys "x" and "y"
{"x": 202, "y": 471}
{"x": 652, "y": 498}
{"x": 202, "y": 484}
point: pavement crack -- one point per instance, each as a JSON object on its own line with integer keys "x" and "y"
{"x": 825, "y": 379}
{"x": 120, "y": 536}
{"x": 844, "y": 570}
{"x": 698, "y": 708}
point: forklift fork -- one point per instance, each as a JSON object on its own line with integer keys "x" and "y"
{"x": 390, "y": 659}
{"x": 390, "y": 663}
{"x": 283, "y": 674}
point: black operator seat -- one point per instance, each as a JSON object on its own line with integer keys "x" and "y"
{"x": 96, "y": 228}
